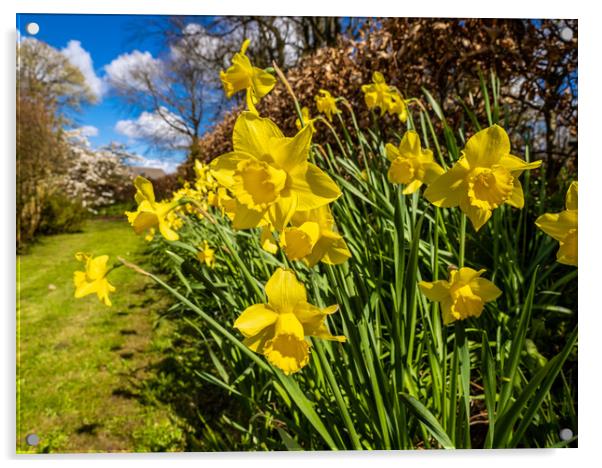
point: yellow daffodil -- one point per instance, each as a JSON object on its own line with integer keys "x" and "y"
{"x": 410, "y": 164}
{"x": 93, "y": 280}
{"x": 313, "y": 237}
{"x": 563, "y": 227}
{"x": 150, "y": 235}
{"x": 150, "y": 213}
{"x": 326, "y": 104}
{"x": 268, "y": 174}
{"x": 242, "y": 75}
{"x": 379, "y": 94}
{"x": 397, "y": 106}
{"x": 307, "y": 120}
{"x": 278, "y": 329}
{"x": 485, "y": 177}
{"x": 206, "y": 255}
{"x": 463, "y": 296}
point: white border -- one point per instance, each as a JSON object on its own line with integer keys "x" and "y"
{"x": 590, "y": 379}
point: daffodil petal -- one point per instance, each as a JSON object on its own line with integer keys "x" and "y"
{"x": 337, "y": 252}
{"x": 97, "y": 267}
{"x": 245, "y": 218}
{"x": 412, "y": 187}
{"x": 486, "y": 147}
{"x": 391, "y": 151}
{"x": 290, "y": 152}
{"x": 313, "y": 187}
{"x": 144, "y": 190}
{"x": 557, "y": 225}
{"x": 571, "y": 197}
{"x": 517, "y": 165}
{"x": 168, "y": 233}
{"x": 409, "y": 146}
{"x": 478, "y": 216}
{"x": 257, "y": 342}
{"x": 568, "y": 251}
{"x": 254, "y": 319}
{"x": 465, "y": 275}
{"x": 449, "y": 189}
{"x": 281, "y": 212}
{"x": 263, "y": 82}
{"x": 284, "y": 291}
{"x": 517, "y": 199}
{"x": 485, "y": 289}
{"x": 252, "y": 135}
{"x": 432, "y": 170}
{"x": 144, "y": 220}
{"x": 435, "y": 291}
{"x": 223, "y": 167}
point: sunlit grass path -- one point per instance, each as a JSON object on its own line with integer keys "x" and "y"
{"x": 82, "y": 365}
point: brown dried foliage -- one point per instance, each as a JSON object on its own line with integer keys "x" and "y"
{"x": 536, "y": 65}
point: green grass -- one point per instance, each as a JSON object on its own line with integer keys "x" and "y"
{"x": 82, "y": 366}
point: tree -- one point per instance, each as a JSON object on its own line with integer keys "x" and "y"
{"x": 181, "y": 88}
{"x": 44, "y": 73}
{"x": 47, "y": 87}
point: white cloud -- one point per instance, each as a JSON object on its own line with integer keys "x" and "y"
{"x": 151, "y": 126}
{"x": 89, "y": 131}
{"x": 127, "y": 68}
{"x": 80, "y": 58}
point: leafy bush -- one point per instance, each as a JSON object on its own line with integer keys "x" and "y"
{"x": 61, "y": 213}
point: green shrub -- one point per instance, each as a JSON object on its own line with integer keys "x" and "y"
{"x": 61, "y": 214}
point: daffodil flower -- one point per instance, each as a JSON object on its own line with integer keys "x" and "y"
{"x": 150, "y": 213}
{"x": 314, "y": 238}
{"x": 93, "y": 279}
{"x": 268, "y": 174}
{"x": 326, "y": 104}
{"x": 485, "y": 177}
{"x": 463, "y": 296}
{"x": 307, "y": 120}
{"x": 379, "y": 94}
{"x": 397, "y": 106}
{"x": 411, "y": 164}
{"x": 206, "y": 255}
{"x": 563, "y": 227}
{"x": 242, "y": 75}
{"x": 278, "y": 328}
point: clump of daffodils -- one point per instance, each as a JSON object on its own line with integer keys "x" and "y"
{"x": 279, "y": 328}
{"x": 563, "y": 227}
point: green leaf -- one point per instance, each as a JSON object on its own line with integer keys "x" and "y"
{"x": 426, "y": 417}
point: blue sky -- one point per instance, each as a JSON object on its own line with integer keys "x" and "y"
{"x": 104, "y": 38}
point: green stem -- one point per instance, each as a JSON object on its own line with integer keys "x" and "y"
{"x": 462, "y": 241}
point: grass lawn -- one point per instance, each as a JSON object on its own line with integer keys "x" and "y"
{"x": 82, "y": 366}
